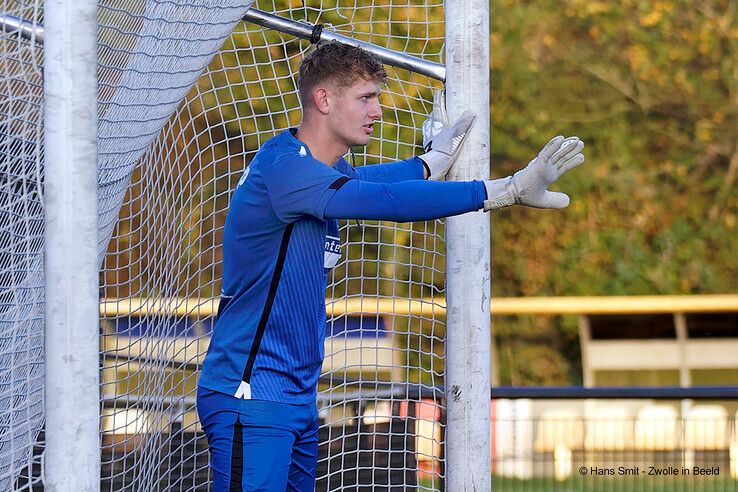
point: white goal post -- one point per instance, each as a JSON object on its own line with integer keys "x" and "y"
{"x": 468, "y": 336}
{"x": 72, "y": 391}
{"x": 206, "y": 84}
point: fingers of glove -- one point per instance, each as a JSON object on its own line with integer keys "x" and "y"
{"x": 431, "y": 128}
{"x": 461, "y": 128}
{"x": 570, "y": 163}
{"x": 427, "y": 131}
{"x": 552, "y": 146}
{"x": 553, "y": 199}
{"x": 569, "y": 147}
{"x": 437, "y": 118}
{"x": 439, "y": 106}
{"x": 465, "y": 121}
{"x": 449, "y": 139}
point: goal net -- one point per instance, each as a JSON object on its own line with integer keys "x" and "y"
{"x": 188, "y": 93}
{"x": 21, "y": 242}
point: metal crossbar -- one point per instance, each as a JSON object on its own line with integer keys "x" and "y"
{"x": 313, "y": 32}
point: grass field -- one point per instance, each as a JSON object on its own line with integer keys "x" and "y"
{"x": 596, "y": 484}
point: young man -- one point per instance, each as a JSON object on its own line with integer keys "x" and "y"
{"x": 257, "y": 389}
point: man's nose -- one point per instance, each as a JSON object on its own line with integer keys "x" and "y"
{"x": 376, "y": 111}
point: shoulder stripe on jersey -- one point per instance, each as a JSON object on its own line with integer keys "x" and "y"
{"x": 269, "y": 302}
{"x": 339, "y": 182}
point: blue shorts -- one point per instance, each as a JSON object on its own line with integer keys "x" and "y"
{"x": 259, "y": 445}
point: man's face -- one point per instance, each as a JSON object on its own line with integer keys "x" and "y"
{"x": 354, "y": 112}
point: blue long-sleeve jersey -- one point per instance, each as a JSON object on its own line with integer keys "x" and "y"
{"x": 280, "y": 241}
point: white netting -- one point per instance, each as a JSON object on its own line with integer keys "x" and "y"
{"x": 21, "y": 242}
{"x": 167, "y": 168}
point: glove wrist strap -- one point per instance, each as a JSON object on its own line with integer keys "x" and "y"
{"x": 500, "y": 194}
{"x": 436, "y": 163}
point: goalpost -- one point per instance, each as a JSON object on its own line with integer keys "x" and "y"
{"x": 185, "y": 94}
{"x": 468, "y": 337}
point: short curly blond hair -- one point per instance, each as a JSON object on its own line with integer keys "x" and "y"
{"x": 340, "y": 64}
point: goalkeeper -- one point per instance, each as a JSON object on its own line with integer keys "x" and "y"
{"x": 257, "y": 390}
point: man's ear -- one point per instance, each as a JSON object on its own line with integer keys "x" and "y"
{"x": 321, "y": 99}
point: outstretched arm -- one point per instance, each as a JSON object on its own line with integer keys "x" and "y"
{"x": 392, "y": 172}
{"x": 407, "y": 201}
{"x": 529, "y": 186}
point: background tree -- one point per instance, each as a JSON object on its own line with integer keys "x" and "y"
{"x": 651, "y": 88}
{"x": 650, "y": 85}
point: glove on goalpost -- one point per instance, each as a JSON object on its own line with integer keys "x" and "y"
{"x": 441, "y": 141}
{"x": 529, "y": 186}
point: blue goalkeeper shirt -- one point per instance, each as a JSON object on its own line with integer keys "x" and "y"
{"x": 279, "y": 243}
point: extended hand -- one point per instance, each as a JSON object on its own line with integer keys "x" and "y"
{"x": 442, "y": 143}
{"x": 557, "y": 157}
{"x": 529, "y": 186}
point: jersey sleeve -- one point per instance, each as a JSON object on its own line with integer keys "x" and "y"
{"x": 406, "y": 201}
{"x": 392, "y": 172}
{"x": 300, "y": 185}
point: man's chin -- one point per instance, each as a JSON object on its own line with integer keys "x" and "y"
{"x": 360, "y": 144}
{"x": 358, "y": 140}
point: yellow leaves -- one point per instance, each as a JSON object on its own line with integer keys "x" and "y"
{"x": 665, "y": 6}
{"x": 711, "y": 74}
{"x": 703, "y": 130}
{"x": 681, "y": 81}
{"x": 675, "y": 53}
{"x": 641, "y": 220}
{"x": 670, "y": 168}
{"x": 655, "y": 16}
{"x": 602, "y": 171}
{"x": 595, "y": 8}
{"x": 639, "y": 60}
{"x": 637, "y": 56}
{"x": 495, "y": 40}
{"x": 707, "y": 41}
{"x": 587, "y": 8}
{"x": 703, "y": 134}
{"x": 577, "y": 207}
{"x": 650, "y": 19}
{"x": 659, "y": 77}
{"x": 595, "y": 33}
{"x": 688, "y": 35}
{"x": 730, "y": 221}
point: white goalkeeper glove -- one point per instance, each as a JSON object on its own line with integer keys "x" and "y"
{"x": 529, "y": 186}
{"x": 442, "y": 142}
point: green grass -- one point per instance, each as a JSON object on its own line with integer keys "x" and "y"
{"x": 630, "y": 484}
{"x": 598, "y": 484}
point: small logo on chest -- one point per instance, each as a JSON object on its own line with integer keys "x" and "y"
{"x": 332, "y": 252}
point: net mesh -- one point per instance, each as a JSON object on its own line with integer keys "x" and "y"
{"x": 188, "y": 93}
{"x": 21, "y": 242}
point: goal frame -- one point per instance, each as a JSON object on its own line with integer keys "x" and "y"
{"x": 72, "y": 455}
{"x": 71, "y": 270}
